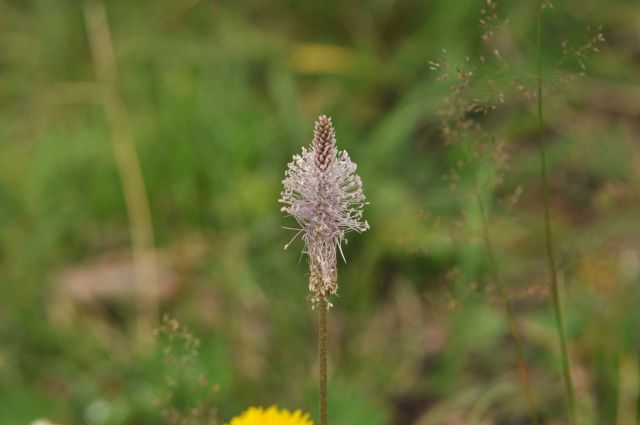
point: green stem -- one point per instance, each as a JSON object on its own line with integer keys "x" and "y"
{"x": 502, "y": 293}
{"x": 322, "y": 351}
{"x": 555, "y": 287}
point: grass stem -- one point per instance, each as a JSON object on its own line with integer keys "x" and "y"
{"x": 555, "y": 288}
{"x": 129, "y": 170}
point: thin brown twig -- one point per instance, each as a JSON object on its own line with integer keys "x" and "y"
{"x": 504, "y": 299}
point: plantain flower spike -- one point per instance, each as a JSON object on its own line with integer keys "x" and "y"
{"x": 323, "y": 193}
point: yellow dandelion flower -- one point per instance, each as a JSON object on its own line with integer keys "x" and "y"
{"x": 271, "y": 416}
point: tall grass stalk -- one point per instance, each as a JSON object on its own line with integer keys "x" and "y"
{"x": 129, "y": 170}
{"x": 555, "y": 287}
{"x": 504, "y": 299}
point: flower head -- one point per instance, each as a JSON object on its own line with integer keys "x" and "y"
{"x": 271, "y": 416}
{"x": 323, "y": 193}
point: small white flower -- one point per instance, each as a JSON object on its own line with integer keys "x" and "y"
{"x": 323, "y": 193}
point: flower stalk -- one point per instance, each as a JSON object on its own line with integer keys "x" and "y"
{"x": 325, "y": 196}
{"x": 322, "y": 351}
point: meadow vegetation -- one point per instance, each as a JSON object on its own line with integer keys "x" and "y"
{"x": 210, "y": 100}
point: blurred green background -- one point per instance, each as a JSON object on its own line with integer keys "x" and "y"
{"x": 217, "y": 97}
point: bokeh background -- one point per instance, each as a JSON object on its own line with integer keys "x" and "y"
{"x": 214, "y": 97}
